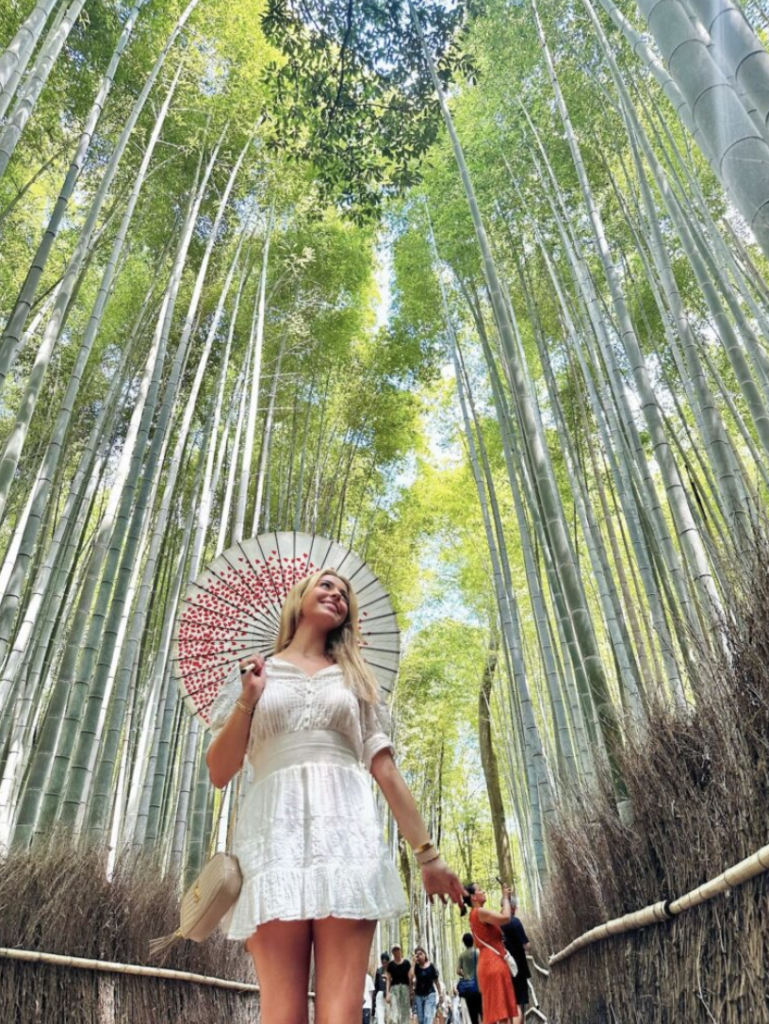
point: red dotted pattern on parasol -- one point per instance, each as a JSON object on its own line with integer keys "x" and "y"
{"x": 232, "y": 610}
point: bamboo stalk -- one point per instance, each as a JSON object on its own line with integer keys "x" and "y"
{"x": 664, "y": 910}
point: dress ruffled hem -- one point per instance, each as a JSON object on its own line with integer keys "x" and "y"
{"x": 370, "y": 893}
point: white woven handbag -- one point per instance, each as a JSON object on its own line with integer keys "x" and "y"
{"x": 211, "y": 895}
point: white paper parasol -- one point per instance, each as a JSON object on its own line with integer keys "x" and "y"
{"x": 232, "y": 610}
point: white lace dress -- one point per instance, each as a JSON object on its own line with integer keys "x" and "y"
{"x": 308, "y": 836}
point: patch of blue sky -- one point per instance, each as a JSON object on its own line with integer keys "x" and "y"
{"x": 215, "y": 69}
{"x": 249, "y": 210}
{"x": 444, "y": 598}
{"x": 383, "y": 279}
{"x": 405, "y": 475}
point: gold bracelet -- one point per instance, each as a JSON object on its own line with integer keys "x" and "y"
{"x": 427, "y": 855}
{"x": 244, "y": 707}
{"x": 423, "y": 847}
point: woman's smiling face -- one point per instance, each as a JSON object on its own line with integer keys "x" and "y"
{"x": 328, "y": 602}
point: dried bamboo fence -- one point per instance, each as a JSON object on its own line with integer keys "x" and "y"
{"x": 666, "y": 910}
{"x": 74, "y": 945}
{"x": 698, "y": 783}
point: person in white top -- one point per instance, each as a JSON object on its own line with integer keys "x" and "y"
{"x": 316, "y": 870}
{"x": 368, "y": 998}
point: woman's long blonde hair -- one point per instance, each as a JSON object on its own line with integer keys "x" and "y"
{"x": 343, "y": 644}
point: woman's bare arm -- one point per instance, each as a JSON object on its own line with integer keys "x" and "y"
{"x": 224, "y": 756}
{"x": 437, "y": 877}
{"x": 491, "y": 917}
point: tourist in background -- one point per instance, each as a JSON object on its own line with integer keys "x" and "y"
{"x": 494, "y": 978}
{"x": 426, "y": 984}
{"x": 517, "y": 943}
{"x": 398, "y": 991}
{"x": 380, "y": 988}
{"x": 459, "y": 1013}
{"x": 467, "y": 986}
{"x": 443, "y": 1013}
{"x": 368, "y": 999}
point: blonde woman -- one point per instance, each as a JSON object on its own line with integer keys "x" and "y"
{"x": 316, "y": 872}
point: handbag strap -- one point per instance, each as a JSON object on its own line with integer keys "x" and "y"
{"x": 485, "y": 944}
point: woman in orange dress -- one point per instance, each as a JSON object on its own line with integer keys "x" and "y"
{"x": 494, "y": 978}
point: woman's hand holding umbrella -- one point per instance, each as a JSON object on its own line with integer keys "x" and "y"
{"x": 253, "y": 677}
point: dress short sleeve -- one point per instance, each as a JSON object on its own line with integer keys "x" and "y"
{"x": 224, "y": 703}
{"x": 375, "y": 728}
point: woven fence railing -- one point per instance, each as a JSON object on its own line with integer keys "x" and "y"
{"x": 665, "y": 910}
{"x": 110, "y": 967}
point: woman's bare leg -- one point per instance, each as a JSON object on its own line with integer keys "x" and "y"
{"x": 342, "y": 949}
{"x": 281, "y": 952}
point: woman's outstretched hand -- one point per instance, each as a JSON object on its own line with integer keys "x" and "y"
{"x": 252, "y": 680}
{"x": 439, "y": 880}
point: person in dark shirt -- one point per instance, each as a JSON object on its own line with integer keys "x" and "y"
{"x": 398, "y": 987}
{"x": 380, "y": 988}
{"x": 517, "y": 943}
{"x": 424, "y": 977}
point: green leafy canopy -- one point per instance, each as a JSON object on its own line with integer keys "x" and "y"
{"x": 353, "y": 95}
